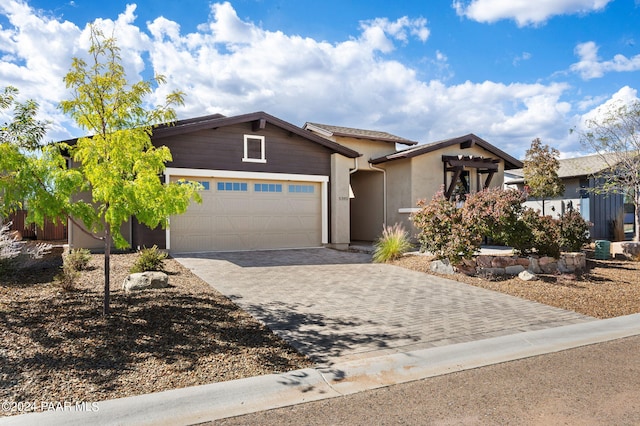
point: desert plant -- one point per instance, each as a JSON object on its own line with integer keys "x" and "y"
{"x": 78, "y": 259}
{"x": 67, "y": 278}
{"x": 149, "y": 259}
{"x": 10, "y": 247}
{"x": 574, "y": 231}
{"x": 392, "y": 244}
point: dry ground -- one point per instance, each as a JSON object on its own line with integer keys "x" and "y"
{"x": 55, "y": 346}
{"x": 610, "y": 288}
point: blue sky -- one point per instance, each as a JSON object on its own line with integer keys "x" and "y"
{"x": 506, "y": 70}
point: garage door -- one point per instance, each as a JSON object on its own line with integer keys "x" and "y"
{"x": 248, "y": 214}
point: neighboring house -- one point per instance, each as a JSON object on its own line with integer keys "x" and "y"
{"x": 268, "y": 184}
{"x": 610, "y": 216}
{"x": 387, "y": 185}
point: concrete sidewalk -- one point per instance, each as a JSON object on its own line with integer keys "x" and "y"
{"x": 221, "y": 400}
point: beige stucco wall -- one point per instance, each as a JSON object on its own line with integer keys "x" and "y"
{"x": 79, "y": 238}
{"x": 339, "y": 224}
{"x": 367, "y": 208}
{"x": 399, "y": 190}
{"x": 413, "y": 179}
{"x": 368, "y": 148}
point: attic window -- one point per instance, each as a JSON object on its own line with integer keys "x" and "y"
{"x": 254, "y": 151}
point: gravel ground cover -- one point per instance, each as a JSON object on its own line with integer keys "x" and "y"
{"x": 55, "y": 346}
{"x": 610, "y": 288}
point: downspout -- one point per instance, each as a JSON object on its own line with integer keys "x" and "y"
{"x": 352, "y": 171}
{"x": 384, "y": 192}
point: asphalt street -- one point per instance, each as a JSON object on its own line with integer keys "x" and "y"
{"x": 591, "y": 385}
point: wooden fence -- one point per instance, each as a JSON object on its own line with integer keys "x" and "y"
{"x": 51, "y": 231}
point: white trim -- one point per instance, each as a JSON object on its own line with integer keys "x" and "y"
{"x": 234, "y": 174}
{"x": 409, "y": 210}
{"x": 246, "y": 157}
{"x": 316, "y": 129}
{"x": 324, "y": 205}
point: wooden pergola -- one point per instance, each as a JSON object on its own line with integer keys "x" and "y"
{"x": 457, "y": 164}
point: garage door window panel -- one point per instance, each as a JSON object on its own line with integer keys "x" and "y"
{"x": 233, "y": 186}
{"x": 267, "y": 187}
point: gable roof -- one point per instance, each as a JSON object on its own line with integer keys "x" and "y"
{"x": 259, "y": 120}
{"x": 465, "y": 141}
{"x": 575, "y": 167}
{"x": 329, "y": 131}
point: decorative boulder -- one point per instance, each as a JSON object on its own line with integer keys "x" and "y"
{"x": 502, "y": 262}
{"x": 145, "y": 280}
{"x": 514, "y": 269}
{"x": 442, "y": 267}
{"x": 534, "y": 266}
{"x": 527, "y": 276}
{"x": 549, "y": 265}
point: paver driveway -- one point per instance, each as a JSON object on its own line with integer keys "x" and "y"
{"x": 331, "y": 304}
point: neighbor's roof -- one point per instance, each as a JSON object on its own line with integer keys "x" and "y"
{"x": 465, "y": 141}
{"x": 329, "y": 131}
{"x": 576, "y": 167}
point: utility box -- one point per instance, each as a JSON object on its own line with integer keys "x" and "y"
{"x": 603, "y": 250}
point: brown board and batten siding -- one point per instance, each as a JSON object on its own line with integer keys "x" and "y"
{"x": 217, "y": 144}
{"x": 223, "y": 149}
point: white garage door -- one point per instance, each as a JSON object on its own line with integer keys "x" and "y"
{"x": 248, "y": 214}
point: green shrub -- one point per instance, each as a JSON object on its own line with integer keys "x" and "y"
{"x": 495, "y": 213}
{"x": 443, "y": 231}
{"x": 149, "y": 259}
{"x": 393, "y": 243}
{"x": 574, "y": 231}
{"x": 545, "y": 232}
{"x": 78, "y": 259}
{"x": 67, "y": 278}
{"x": 455, "y": 233}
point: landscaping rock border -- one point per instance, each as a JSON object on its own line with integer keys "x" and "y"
{"x": 484, "y": 264}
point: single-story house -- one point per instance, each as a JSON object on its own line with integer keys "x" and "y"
{"x": 387, "y": 183}
{"x": 268, "y": 184}
{"x": 611, "y": 217}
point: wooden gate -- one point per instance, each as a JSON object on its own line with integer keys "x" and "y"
{"x": 49, "y": 232}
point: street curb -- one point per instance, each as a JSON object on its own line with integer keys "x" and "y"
{"x": 233, "y": 398}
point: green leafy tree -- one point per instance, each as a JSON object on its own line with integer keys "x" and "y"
{"x": 615, "y": 137}
{"x": 540, "y": 169}
{"x": 117, "y": 165}
{"x": 20, "y": 146}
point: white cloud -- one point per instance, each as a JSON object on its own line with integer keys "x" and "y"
{"x": 524, "y": 12}
{"x": 525, "y": 56}
{"x": 233, "y": 66}
{"x": 624, "y": 96}
{"x": 591, "y": 66}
